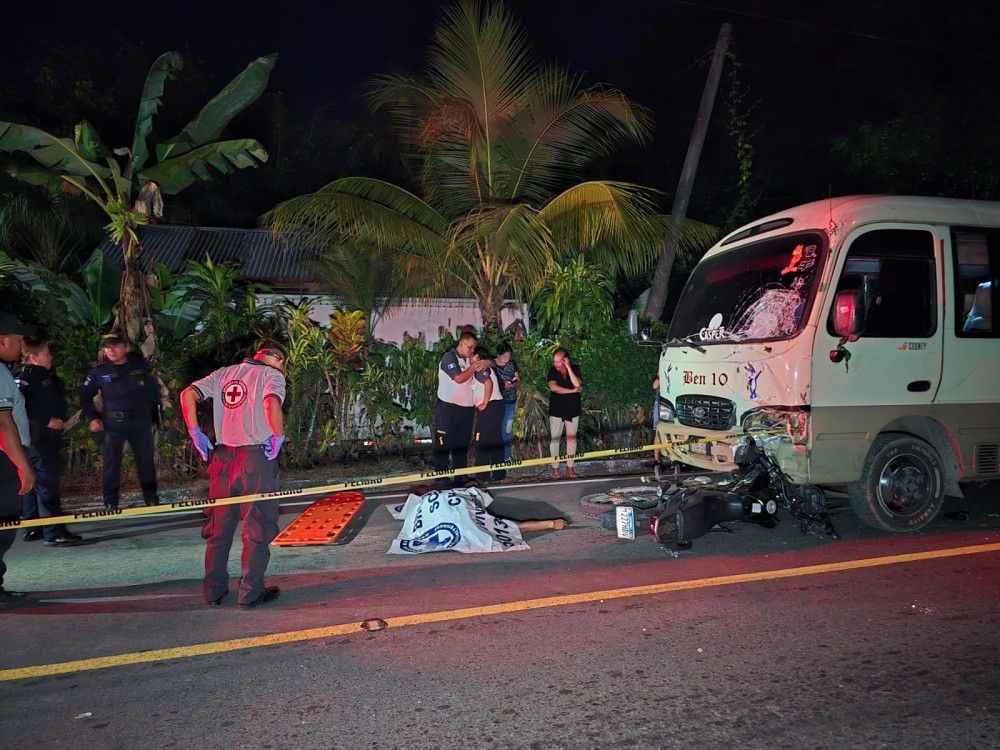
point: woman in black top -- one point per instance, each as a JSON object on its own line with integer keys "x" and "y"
{"x": 564, "y": 407}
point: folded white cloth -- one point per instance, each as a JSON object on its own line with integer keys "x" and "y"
{"x": 453, "y": 520}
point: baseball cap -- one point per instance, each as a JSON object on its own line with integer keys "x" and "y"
{"x": 110, "y": 339}
{"x": 11, "y": 325}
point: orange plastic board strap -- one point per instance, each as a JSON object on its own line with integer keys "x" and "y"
{"x": 323, "y": 521}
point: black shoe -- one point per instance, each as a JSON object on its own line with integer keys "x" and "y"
{"x": 109, "y": 506}
{"x": 32, "y": 535}
{"x": 11, "y": 597}
{"x": 64, "y": 540}
{"x": 217, "y": 602}
{"x": 269, "y": 595}
{"x": 152, "y": 502}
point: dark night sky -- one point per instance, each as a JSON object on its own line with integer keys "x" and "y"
{"x": 810, "y": 66}
{"x": 327, "y": 51}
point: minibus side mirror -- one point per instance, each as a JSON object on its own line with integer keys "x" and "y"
{"x": 849, "y": 314}
{"x": 643, "y": 337}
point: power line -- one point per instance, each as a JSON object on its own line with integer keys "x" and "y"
{"x": 810, "y": 25}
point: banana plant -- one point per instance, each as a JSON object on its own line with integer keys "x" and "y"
{"x": 128, "y": 183}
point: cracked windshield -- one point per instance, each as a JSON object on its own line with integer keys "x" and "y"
{"x": 754, "y": 293}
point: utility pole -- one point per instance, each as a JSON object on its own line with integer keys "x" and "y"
{"x": 678, "y": 212}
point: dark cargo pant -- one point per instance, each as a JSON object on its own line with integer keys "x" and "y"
{"x": 240, "y": 471}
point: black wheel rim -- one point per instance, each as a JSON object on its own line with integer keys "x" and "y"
{"x": 906, "y": 485}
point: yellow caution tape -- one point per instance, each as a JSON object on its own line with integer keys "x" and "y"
{"x": 188, "y": 505}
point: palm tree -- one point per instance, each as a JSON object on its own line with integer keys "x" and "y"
{"x": 51, "y": 226}
{"x": 498, "y": 142}
{"x": 367, "y": 278}
{"x": 127, "y": 183}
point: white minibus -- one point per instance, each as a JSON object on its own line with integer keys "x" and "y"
{"x": 861, "y": 329}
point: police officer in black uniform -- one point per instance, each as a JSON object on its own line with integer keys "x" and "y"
{"x": 43, "y": 398}
{"x": 132, "y": 401}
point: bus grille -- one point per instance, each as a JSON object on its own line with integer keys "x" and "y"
{"x": 986, "y": 458}
{"x": 706, "y": 412}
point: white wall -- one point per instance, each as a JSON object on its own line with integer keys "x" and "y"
{"x": 414, "y": 317}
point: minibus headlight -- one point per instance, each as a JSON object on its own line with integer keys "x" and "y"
{"x": 667, "y": 413}
{"x": 792, "y": 420}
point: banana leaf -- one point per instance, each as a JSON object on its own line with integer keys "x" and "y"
{"x": 179, "y": 312}
{"x": 59, "y": 154}
{"x": 164, "y": 69}
{"x": 224, "y": 157}
{"x": 238, "y": 94}
{"x": 88, "y": 142}
{"x": 103, "y": 281}
{"x": 38, "y": 279}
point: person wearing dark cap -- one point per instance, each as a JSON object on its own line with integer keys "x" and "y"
{"x": 16, "y": 476}
{"x": 250, "y": 430}
{"x": 131, "y": 397}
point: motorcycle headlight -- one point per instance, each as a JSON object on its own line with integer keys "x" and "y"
{"x": 667, "y": 413}
{"x": 792, "y": 420}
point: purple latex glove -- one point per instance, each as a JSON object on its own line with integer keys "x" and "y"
{"x": 201, "y": 442}
{"x": 272, "y": 445}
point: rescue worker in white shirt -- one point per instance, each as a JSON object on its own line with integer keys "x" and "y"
{"x": 250, "y": 430}
{"x": 455, "y": 409}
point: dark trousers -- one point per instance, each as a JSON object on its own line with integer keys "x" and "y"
{"x": 10, "y": 506}
{"x": 139, "y": 434}
{"x": 240, "y": 471}
{"x": 489, "y": 440}
{"x": 452, "y": 434}
{"x": 44, "y": 501}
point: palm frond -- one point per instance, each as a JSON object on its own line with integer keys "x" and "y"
{"x": 562, "y": 128}
{"x": 612, "y": 222}
{"x": 363, "y": 209}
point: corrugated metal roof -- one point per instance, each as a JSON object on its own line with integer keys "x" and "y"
{"x": 259, "y": 255}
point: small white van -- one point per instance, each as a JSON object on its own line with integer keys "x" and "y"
{"x": 862, "y": 328}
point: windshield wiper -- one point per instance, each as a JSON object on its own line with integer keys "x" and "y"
{"x": 684, "y": 341}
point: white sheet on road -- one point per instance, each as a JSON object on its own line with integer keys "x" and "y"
{"x": 454, "y": 520}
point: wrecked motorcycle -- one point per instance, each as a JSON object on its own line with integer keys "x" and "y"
{"x": 758, "y": 487}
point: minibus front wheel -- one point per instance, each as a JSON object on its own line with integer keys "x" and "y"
{"x": 901, "y": 487}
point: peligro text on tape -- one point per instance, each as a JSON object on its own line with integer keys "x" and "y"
{"x": 188, "y": 505}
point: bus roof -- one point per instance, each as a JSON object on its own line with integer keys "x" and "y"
{"x": 855, "y": 210}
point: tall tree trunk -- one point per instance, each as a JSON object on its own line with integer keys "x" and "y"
{"x": 132, "y": 301}
{"x": 661, "y": 277}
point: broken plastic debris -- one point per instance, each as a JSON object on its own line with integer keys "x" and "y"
{"x": 376, "y": 623}
{"x": 86, "y": 715}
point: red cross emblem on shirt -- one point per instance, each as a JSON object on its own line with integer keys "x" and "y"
{"x": 234, "y": 393}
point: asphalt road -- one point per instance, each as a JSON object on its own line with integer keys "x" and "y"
{"x": 759, "y": 638}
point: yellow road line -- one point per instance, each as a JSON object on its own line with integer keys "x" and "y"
{"x": 295, "y": 636}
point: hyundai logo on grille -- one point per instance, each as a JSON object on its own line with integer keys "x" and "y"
{"x": 705, "y": 412}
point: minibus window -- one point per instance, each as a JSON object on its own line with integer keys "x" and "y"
{"x": 895, "y": 269}
{"x": 756, "y": 292}
{"x": 977, "y": 280}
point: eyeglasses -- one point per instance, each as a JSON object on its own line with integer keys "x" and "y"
{"x": 277, "y": 355}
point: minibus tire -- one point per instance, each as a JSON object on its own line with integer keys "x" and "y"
{"x": 902, "y": 484}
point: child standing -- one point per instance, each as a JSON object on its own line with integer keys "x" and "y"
{"x": 510, "y": 381}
